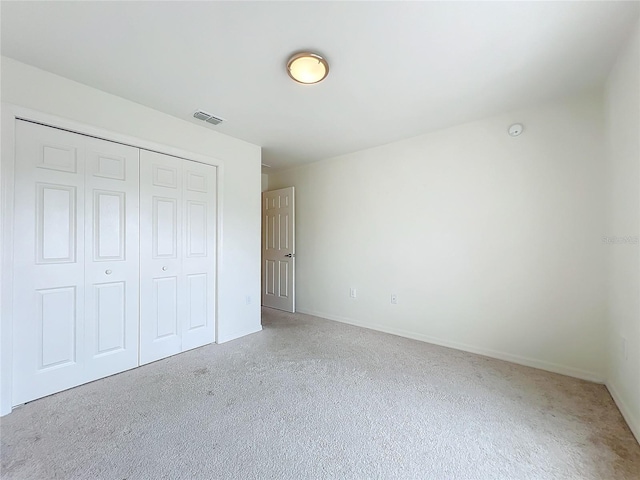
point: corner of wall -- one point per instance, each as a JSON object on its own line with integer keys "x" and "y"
{"x": 622, "y": 117}
{"x": 625, "y": 410}
{"x": 227, "y": 337}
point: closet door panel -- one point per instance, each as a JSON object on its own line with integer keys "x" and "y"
{"x": 114, "y": 258}
{"x": 48, "y": 283}
{"x": 199, "y": 254}
{"x": 111, "y": 258}
{"x": 165, "y": 307}
{"x": 178, "y": 255}
{"x": 161, "y": 284}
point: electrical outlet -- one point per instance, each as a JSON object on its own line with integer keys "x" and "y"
{"x": 248, "y": 299}
{"x": 394, "y": 298}
{"x": 353, "y": 293}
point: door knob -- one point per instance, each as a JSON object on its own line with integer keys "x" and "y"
{"x": 164, "y": 269}
{"x": 290, "y": 255}
{"x": 108, "y": 272}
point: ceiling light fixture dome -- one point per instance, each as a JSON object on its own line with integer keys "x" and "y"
{"x": 307, "y": 68}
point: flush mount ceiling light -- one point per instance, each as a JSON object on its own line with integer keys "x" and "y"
{"x": 307, "y": 68}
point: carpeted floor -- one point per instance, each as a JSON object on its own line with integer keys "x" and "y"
{"x": 309, "y": 398}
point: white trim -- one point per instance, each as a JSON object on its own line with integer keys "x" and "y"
{"x": 632, "y": 421}
{"x": 10, "y": 114}
{"x": 6, "y": 267}
{"x": 508, "y": 357}
{"x": 236, "y": 335}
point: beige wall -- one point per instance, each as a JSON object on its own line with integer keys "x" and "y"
{"x": 623, "y": 155}
{"x": 492, "y": 243}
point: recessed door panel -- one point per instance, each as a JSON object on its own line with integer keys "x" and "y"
{"x": 283, "y": 279}
{"x": 271, "y": 231}
{"x": 270, "y": 277}
{"x": 196, "y": 229}
{"x": 110, "y": 316}
{"x": 196, "y": 182}
{"x": 165, "y": 228}
{"x": 109, "y": 225}
{"x": 283, "y": 235}
{"x": 165, "y": 299}
{"x": 56, "y": 314}
{"x": 197, "y": 300}
{"x": 108, "y": 166}
{"x": 56, "y": 217}
{"x": 165, "y": 176}
{"x": 58, "y": 157}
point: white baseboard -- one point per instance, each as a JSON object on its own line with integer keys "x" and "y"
{"x": 528, "y": 362}
{"x": 632, "y": 421}
{"x": 234, "y": 335}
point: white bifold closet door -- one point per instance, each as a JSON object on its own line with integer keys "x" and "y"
{"x": 76, "y": 265}
{"x": 178, "y": 255}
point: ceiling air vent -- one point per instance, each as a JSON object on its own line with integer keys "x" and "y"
{"x": 207, "y": 117}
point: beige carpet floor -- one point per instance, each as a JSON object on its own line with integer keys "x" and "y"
{"x": 310, "y": 398}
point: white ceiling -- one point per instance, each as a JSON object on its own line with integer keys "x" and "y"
{"x": 397, "y": 69}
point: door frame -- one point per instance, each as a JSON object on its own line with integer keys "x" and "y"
{"x": 11, "y": 113}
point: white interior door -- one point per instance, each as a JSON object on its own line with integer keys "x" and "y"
{"x": 199, "y": 254}
{"x": 75, "y": 220}
{"x": 111, "y": 258}
{"x": 278, "y": 249}
{"x": 177, "y": 236}
{"x": 161, "y": 243}
{"x": 48, "y": 302}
